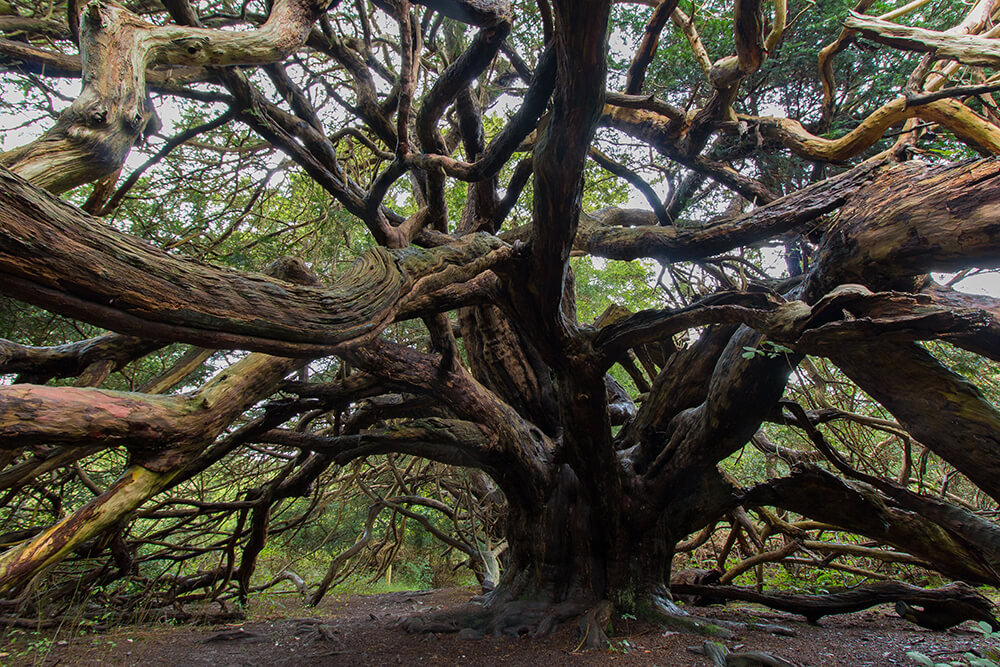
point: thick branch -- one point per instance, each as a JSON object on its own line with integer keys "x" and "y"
{"x": 966, "y": 49}
{"x": 940, "y": 409}
{"x": 39, "y": 364}
{"x": 93, "y": 136}
{"x": 622, "y": 234}
{"x": 951, "y": 114}
{"x": 182, "y": 426}
{"x": 53, "y": 255}
{"x": 912, "y": 220}
{"x": 561, "y": 152}
{"x": 959, "y": 546}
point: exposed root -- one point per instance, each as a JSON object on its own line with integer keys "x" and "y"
{"x": 673, "y": 617}
{"x": 666, "y": 613}
{"x": 721, "y": 657}
{"x": 936, "y": 609}
{"x": 591, "y": 629}
{"x": 515, "y": 618}
{"x": 519, "y": 618}
{"x": 313, "y": 629}
{"x": 238, "y": 634}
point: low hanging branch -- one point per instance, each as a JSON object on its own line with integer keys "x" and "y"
{"x": 38, "y": 364}
{"x": 944, "y": 607}
{"x": 83, "y": 268}
{"x": 166, "y": 434}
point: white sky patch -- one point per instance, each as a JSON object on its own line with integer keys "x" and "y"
{"x": 985, "y": 283}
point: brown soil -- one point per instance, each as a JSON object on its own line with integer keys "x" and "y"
{"x": 360, "y": 630}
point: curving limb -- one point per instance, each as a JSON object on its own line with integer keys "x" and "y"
{"x": 76, "y": 257}
{"x": 93, "y": 136}
{"x": 966, "y": 49}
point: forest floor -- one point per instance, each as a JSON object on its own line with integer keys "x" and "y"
{"x": 360, "y": 630}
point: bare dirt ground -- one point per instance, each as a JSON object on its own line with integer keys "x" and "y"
{"x": 360, "y": 630}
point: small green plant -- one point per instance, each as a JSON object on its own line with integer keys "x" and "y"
{"x": 969, "y": 659}
{"x": 34, "y": 648}
{"x": 621, "y": 646}
{"x": 767, "y": 349}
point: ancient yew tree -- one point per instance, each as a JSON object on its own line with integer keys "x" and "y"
{"x": 790, "y": 213}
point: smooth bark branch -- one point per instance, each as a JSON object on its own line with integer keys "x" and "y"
{"x": 146, "y": 424}
{"x": 727, "y": 74}
{"x": 22, "y": 563}
{"x": 162, "y": 434}
{"x": 750, "y": 53}
{"x": 950, "y": 114}
{"x": 35, "y": 414}
{"x": 966, "y": 49}
{"x": 685, "y": 24}
{"x": 54, "y": 255}
{"x": 825, "y": 60}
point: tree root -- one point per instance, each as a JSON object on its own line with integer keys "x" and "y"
{"x": 721, "y": 657}
{"x": 591, "y": 628}
{"x": 520, "y": 618}
{"x": 672, "y": 617}
{"x": 311, "y": 630}
{"x": 514, "y": 618}
{"x": 935, "y": 609}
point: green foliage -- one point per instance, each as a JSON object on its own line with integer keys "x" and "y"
{"x": 26, "y": 647}
{"x": 768, "y": 349}
{"x": 601, "y": 283}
